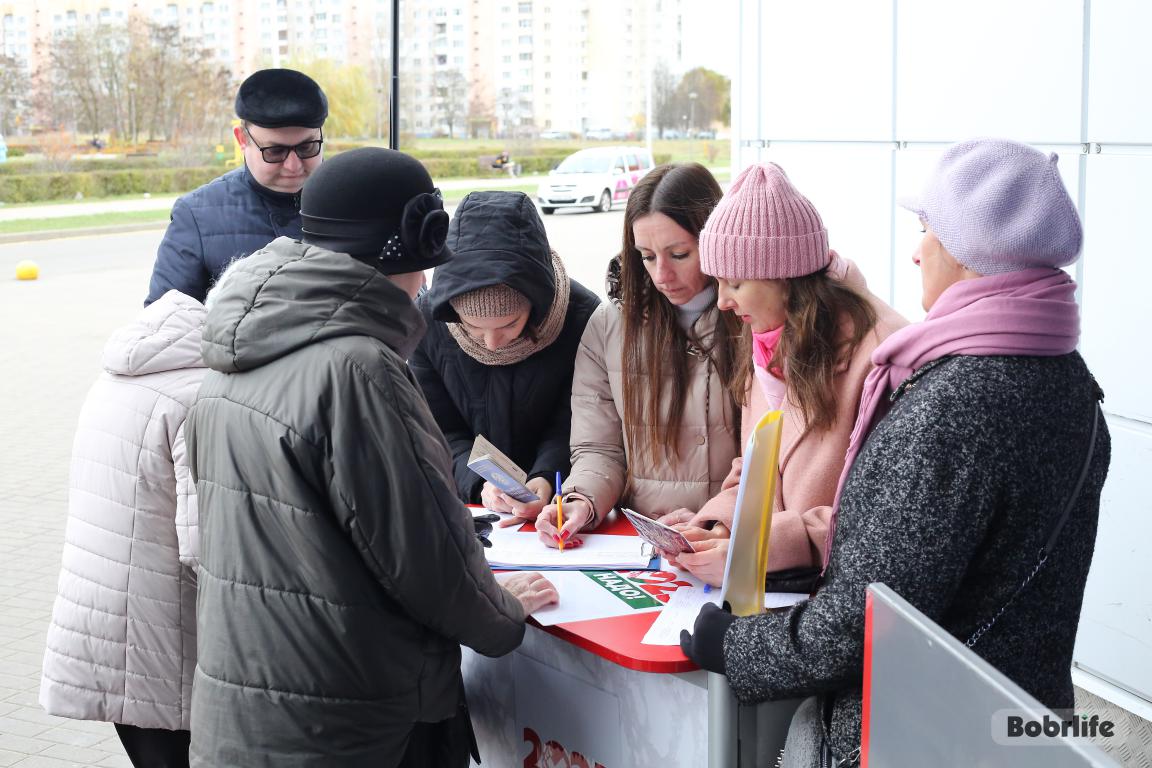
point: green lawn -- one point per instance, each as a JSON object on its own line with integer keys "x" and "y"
{"x": 161, "y": 216}
{"x": 82, "y": 222}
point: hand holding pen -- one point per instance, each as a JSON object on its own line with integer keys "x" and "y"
{"x": 560, "y": 521}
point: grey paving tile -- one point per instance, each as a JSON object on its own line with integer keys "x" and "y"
{"x": 12, "y": 683}
{"x": 104, "y": 730}
{"x": 40, "y": 761}
{"x": 115, "y": 761}
{"x": 36, "y": 715}
{"x": 27, "y": 698}
{"x": 9, "y": 758}
{"x": 111, "y": 745}
{"x": 12, "y": 725}
{"x": 28, "y": 745}
{"x": 16, "y": 663}
{"x": 71, "y": 737}
{"x": 81, "y": 755}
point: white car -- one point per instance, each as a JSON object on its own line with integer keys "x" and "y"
{"x": 594, "y": 178}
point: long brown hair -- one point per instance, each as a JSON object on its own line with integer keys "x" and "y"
{"x": 826, "y": 320}
{"x": 655, "y": 353}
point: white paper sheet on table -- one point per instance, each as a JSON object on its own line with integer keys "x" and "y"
{"x": 586, "y": 595}
{"x": 685, "y": 604}
{"x": 525, "y": 551}
{"x": 582, "y": 599}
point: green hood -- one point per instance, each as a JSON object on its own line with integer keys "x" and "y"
{"x": 289, "y": 295}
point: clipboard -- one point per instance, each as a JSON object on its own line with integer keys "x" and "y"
{"x": 752, "y": 521}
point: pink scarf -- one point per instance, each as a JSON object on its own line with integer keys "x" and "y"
{"x": 764, "y": 345}
{"x": 1029, "y": 312}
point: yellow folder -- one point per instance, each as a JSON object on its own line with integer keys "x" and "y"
{"x": 752, "y": 521}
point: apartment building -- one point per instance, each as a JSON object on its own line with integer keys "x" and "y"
{"x": 488, "y": 67}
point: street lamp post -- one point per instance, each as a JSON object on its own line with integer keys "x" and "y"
{"x": 132, "y": 111}
{"x": 691, "y": 111}
{"x": 379, "y": 109}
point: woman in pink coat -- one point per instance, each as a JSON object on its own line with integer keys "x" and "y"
{"x": 812, "y": 324}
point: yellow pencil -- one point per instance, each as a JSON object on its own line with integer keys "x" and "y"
{"x": 560, "y": 518}
{"x": 559, "y": 511}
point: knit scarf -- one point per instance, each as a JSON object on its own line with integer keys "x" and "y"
{"x": 522, "y": 348}
{"x": 1030, "y": 312}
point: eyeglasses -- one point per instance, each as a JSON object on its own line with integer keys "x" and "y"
{"x": 278, "y": 153}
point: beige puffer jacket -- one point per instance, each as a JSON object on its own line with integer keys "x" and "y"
{"x": 122, "y": 644}
{"x": 600, "y": 461}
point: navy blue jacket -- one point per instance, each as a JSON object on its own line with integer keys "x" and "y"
{"x": 228, "y": 218}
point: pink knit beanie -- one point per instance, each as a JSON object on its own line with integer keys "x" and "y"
{"x": 763, "y": 229}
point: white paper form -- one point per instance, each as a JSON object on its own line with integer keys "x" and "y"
{"x": 525, "y": 551}
{"x": 680, "y": 613}
{"x": 684, "y": 606}
{"x": 585, "y": 596}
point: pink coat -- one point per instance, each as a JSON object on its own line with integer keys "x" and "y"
{"x": 810, "y": 462}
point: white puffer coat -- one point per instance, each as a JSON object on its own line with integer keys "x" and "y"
{"x": 122, "y": 643}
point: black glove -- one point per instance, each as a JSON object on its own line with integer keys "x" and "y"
{"x": 706, "y": 645}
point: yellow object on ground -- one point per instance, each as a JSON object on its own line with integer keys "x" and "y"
{"x": 27, "y": 270}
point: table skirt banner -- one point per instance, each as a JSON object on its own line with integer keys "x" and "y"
{"x": 594, "y": 712}
{"x": 565, "y": 722}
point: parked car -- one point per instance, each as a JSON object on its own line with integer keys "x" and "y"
{"x": 594, "y": 178}
{"x": 555, "y": 135}
{"x": 706, "y": 134}
{"x": 599, "y": 134}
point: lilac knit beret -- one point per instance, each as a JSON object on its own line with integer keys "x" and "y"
{"x": 1000, "y": 206}
{"x": 763, "y": 229}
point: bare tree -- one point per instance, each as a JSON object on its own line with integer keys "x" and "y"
{"x": 14, "y": 91}
{"x": 665, "y": 109}
{"x": 132, "y": 78}
{"x": 73, "y": 80}
{"x": 451, "y": 97}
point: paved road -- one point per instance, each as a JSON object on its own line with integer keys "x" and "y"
{"x": 52, "y": 331}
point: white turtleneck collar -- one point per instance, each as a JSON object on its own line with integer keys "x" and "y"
{"x": 689, "y": 312}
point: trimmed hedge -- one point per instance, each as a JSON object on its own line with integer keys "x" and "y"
{"x": 36, "y": 187}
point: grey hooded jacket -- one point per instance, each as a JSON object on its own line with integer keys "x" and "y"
{"x": 339, "y": 573}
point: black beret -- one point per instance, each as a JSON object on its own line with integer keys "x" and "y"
{"x": 378, "y": 205}
{"x": 281, "y": 98}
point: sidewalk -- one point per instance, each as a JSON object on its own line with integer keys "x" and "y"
{"x": 164, "y": 202}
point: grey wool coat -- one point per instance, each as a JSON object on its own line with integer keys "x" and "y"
{"x": 339, "y": 572}
{"x": 948, "y": 502}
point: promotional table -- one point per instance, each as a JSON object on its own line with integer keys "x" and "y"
{"x": 588, "y": 694}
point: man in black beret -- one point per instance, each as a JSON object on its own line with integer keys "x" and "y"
{"x": 281, "y": 113}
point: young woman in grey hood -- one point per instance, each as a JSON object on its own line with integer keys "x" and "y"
{"x": 504, "y": 323}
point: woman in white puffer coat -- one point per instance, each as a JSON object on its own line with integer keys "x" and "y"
{"x": 122, "y": 644}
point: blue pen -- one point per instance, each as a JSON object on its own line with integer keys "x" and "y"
{"x": 707, "y": 588}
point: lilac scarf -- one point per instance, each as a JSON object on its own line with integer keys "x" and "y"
{"x": 1028, "y": 312}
